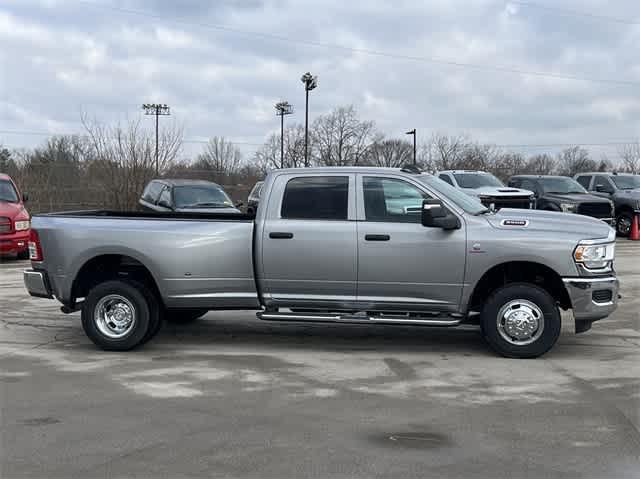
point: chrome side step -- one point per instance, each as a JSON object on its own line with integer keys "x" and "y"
{"x": 357, "y": 319}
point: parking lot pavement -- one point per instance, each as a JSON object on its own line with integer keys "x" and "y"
{"x": 230, "y": 396}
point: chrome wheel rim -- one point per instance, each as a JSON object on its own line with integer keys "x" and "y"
{"x": 520, "y": 322}
{"x": 115, "y": 316}
{"x": 624, "y": 225}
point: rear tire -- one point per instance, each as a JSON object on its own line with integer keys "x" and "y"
{"x": 117, "y": 315}
{"x": 521, "y": 320}
{"x": 183, "y": 316}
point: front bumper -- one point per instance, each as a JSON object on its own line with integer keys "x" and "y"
{"x": 37, "y": 283}
{"x": 592, "y": 298}
{"x": 14, "y": 243}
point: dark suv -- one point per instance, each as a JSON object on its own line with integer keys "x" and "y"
{"x": 186, "y": 196}
{"x": 560, "y": 193}
{"x": 621, "y": 188}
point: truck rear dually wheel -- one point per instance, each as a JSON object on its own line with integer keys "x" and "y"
{"x": 117, "y": 315}
{"x": 521, "y": 320}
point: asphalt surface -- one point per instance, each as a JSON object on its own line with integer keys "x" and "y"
{"x": 230, "y": 396}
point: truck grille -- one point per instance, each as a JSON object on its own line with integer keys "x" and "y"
{"x": 522, "y": 202}
{"x": 5, "y": 225}
{"x": 597, "y": 210}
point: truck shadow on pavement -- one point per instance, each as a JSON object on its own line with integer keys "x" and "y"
{"x": 329, "y": 337}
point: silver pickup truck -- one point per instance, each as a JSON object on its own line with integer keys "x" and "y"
{"x": 343, "y": 245}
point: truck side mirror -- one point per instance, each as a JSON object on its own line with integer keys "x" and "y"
{"x": 600, "y": 189}
{"x": 239, "y": 204}
{"x": 25, "y": 197}
{"x": 435, "y": 215}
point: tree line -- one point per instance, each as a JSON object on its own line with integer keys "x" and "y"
{"x": 109, "y": 165}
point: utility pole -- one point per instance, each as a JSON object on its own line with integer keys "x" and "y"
{"x": 283, "y": 108}
{"x": 156, "y": 109}
{"x": 413, "y": 132}
{"x": 310, "y": 82}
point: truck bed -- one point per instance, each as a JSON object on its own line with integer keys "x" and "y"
{"x": 197, "y": 260}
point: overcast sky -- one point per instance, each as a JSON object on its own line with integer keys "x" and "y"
{"x": 208, "y": 61}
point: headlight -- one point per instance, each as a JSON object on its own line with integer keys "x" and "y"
{"x": 23, "y": 225}
{"x": 595, "y": 256}
{"x": 568, "y": 207}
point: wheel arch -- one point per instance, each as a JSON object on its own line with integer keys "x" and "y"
{"x": 509, "y": 272}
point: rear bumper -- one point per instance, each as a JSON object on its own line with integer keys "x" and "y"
{"x": 592, "y": 298}
{"x": 37, "y": 283}
{"x": 14, "y": 243}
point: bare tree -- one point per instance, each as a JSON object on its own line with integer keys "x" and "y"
{"x": 630, "y": 155}
{"x": 340, "y": 138}
{"x": 221, "y": 157}
{"x": 267, "y": 157}
{"x": 575, "y": 160}
{"x": 124, "y": 158}
{"x": 390, "y": 153}
{"x": 507, "y": 164}
{"x": 444, "y": 152}
{"x": 540, "y": 164}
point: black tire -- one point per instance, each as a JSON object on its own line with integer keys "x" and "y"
{"x": 183, "y": 316}
{"x": 146, "y": 314}
{"x": 513, "y": 297}
{"x": 22, "y": 255}
{"x": 623, "y": 224}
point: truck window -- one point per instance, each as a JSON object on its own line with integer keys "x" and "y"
{"x": 392, "y": 200}
{"x": 152, "y": 191}
{"x": 604, "y": 182}
{"x": 526, "y": 184}
{"x": 316, "y": 198}
{"x": 446, "y": 178}
{"x": 165, "y": 196}
{"x": 8, "y": 192}
{"x": 584, "y": 181}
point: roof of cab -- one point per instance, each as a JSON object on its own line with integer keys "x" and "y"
{"x": 186, "y": 182}
{"x": 349, "y": 169}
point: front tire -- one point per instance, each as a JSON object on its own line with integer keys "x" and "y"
{"x": 521, "y": 320}
{"x": 117, "y": 315}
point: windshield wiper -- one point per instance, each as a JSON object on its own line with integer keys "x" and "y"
{"x": 214, "y": 205}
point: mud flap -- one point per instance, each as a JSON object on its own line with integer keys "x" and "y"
{"x": 583, "y": 326}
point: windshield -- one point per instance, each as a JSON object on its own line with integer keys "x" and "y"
{"x": 561, "y": 186}
{"x": 200, "y": 197}
{"x": 627, "y": 182}
{"x": 468, "y": 203}
{"x": 477, "y": 180}
{"x": 8, "y": 192}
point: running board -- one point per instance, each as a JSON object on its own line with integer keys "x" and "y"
{"x": 354, "y": 319}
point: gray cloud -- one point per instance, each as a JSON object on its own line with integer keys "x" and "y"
{"x": 63, "y": 57}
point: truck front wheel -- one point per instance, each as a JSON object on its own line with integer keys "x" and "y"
{"x": 521, "y": 320}
{"x": 118, "y": 314}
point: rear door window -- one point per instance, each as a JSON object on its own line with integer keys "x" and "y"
{"x": 316, "y": 198}
{"x": 584, "y": 180}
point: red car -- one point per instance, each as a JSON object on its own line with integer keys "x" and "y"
{"x": 14, "y": 220}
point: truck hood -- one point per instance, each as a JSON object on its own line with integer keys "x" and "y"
{"x": 10, "y": 210}
{"x": 502, "y": 192}
{"x": 633, "y": 194}
{"x": 576, "y": 198}
{"x": 208, "y": 210}
{"x": 585, "y": 227}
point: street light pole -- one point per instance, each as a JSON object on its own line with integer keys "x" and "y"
{"x": 310, "y": 82}
{"x": 157, "y": 110}
{"x": 413, "y": 132}
{"x": 283, "y": 108}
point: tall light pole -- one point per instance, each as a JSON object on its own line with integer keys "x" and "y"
{"x": 156, "y": 109}
{"x": 283, "y": 108}
{"x": 413, "y": 132}
{"x": 310, "y": 82}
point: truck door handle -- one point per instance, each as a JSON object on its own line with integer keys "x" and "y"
{"x": 377, "y": 237}
{"x": 280, "y": 235}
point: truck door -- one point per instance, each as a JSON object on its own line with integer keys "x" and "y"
{"x": 309, "y": 249}
{"x": 402, "y": 264}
